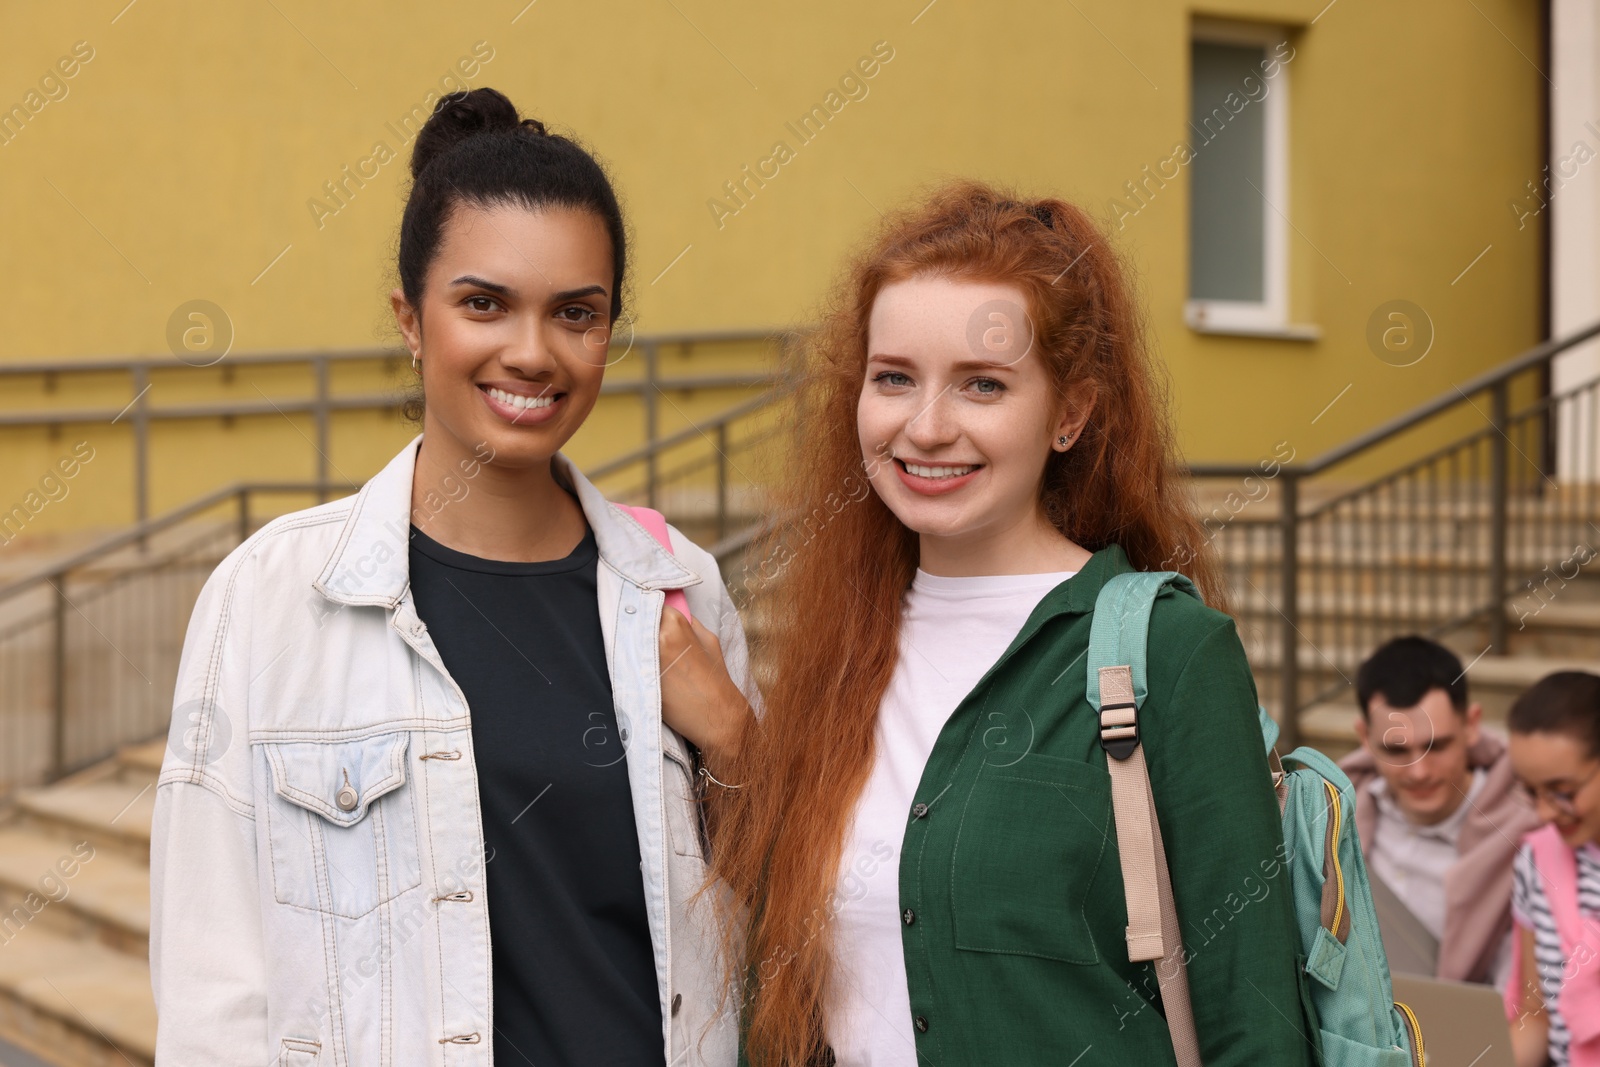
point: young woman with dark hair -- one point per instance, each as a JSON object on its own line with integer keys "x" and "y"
{"x": 1553, "y": 996}
{"x": 419, "y": 797}
{"x": 924, "y": 839}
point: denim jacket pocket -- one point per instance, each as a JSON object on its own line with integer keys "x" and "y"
{"x": 342, "y": 823}
{"x": 299, "y": 1052}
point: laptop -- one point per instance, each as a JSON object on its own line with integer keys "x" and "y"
{"x": 1410, "y": 946}
{"x": 1463, "y": 1024}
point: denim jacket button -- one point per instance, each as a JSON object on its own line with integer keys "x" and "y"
{"x": 346, "y": 799}
{"x": 630, "y": 609}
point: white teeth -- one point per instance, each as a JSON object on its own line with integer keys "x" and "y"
{"x": 939, "y": 472}
{"x": 517, "y": 400}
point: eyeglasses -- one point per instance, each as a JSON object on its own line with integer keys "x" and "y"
{"x": 1563, "y": 800}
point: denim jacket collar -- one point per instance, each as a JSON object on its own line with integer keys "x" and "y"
{"x": 371, "y": 565}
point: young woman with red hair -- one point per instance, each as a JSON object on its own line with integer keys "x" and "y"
{"x": 923, "y": 839}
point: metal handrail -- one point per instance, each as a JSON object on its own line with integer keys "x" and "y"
{"x": 353, "y": 402}
{"x": 104, "y": 364}
{"x": 689, "y": 433}
{"x": 1291, "y": 524}
{"x": 141, "y": 532}
{"x": 140, "y": 413}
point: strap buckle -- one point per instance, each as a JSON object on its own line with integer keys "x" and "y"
{"x": 1119, "y": 712}
{"x": 1119, "y": 729}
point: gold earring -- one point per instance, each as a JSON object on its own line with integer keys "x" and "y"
{"x": 416, "y": 362}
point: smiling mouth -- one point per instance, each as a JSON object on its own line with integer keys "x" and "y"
{"x": 519, "y": 401}
{"x": 938, "y": 471}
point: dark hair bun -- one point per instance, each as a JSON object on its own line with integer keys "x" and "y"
{"x": 475, "y": 150}
{"x": 458, "y": 116}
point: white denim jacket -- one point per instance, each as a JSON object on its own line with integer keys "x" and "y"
{"x": 317, "y": 857}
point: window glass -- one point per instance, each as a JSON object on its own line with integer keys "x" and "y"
{"x": 1227, "y": 215}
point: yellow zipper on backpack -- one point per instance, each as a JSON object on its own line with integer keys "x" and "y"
{"x": 1419, "y": 1058}
{"x": 1336, "y": 818}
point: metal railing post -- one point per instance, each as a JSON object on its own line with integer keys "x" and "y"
{"x": 141, "y": 446}
{"x": 1289, "y": 564}
{"x": 320, "y": 365}
{"x": 650, "y": 426}
{"x": 722, "y": 480}
{"x": 58, "y": 726}
{"x": 244, "y": 515}
{"x": 1499, "y": 515}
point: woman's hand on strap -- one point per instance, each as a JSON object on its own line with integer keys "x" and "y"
{"x": 698, "y": 697}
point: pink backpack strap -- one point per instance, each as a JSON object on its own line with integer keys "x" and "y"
{"x": 1557, "y": 865}
{"x": 655, "y": 525}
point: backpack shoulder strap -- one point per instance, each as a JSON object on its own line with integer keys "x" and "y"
{"x": 1117, "y": 686}
{"x": 655, "y": 524}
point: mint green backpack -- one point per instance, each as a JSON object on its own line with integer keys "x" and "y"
{"x": 1359, "y": 1023}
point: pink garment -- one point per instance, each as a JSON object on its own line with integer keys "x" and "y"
{"x": 1557, "y": 865}
{"x": 655, "y": 525}
{"x": 1478, "y": 887}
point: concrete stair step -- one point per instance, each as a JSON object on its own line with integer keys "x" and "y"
{"x": 1494, "y": 681}
{"x": 107, "y": 895}
{"x": 1518, "y": 670}
{"x": 1330, "y": 726}
{"x": 1314, "y": 556}
{"x": 109, "y": 810}
{"x": 144, "y": 757}
{"x": 75, "y": 1001}
{"x": 1553, "y": 613}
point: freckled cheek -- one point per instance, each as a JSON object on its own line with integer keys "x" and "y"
{"x": 877, "y": 422}
{"x": 1007, "y": 443}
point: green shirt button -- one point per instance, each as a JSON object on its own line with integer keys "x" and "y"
{"x": 921, "y": 1023}
{"x": 918, "y": 810}
{"x": 909, "y": 916}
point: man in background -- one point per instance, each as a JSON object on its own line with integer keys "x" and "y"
{"x": 1438, "y": 812}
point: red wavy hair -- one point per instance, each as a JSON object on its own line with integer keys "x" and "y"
{"x": 836, "y": 571}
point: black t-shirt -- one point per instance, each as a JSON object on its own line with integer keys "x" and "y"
{"x": 574, "y": 971}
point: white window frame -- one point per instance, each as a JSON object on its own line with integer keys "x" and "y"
{"x": 1271, "y": 315}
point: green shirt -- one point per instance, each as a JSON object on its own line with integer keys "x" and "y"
{"x": 1010, "y": 877}
{"x": 1010, "y": 882}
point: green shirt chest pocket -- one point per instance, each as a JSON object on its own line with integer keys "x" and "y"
{"x": 1032, "y": 839}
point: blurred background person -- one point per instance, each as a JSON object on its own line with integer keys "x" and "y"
{"x": 1553, "y": 998}
{"x": 1438, "y": 811}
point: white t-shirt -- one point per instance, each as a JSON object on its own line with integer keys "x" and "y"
{"x": 1414, "y": 859}
{"x": 952, "y": 631}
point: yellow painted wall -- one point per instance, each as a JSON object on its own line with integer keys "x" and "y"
{"x": 184, "y": 158}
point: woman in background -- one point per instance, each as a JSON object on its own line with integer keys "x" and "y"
{"x": 1553, "y": 997}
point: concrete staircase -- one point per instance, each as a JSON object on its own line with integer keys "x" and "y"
{"x": 1549, "y": 630}
{"x": 75, "y": 915}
